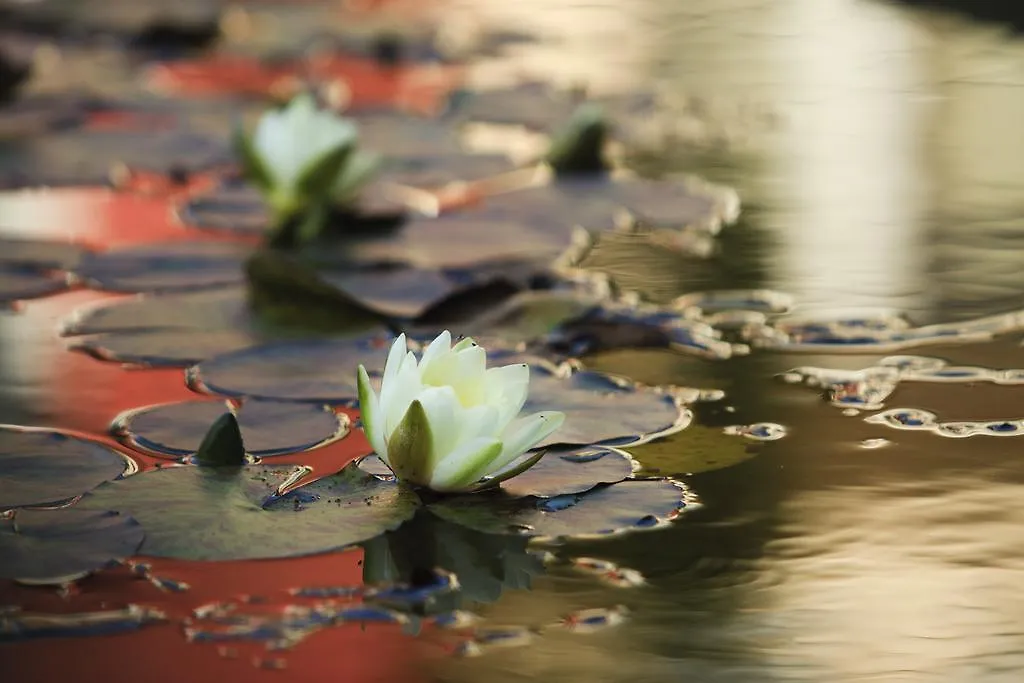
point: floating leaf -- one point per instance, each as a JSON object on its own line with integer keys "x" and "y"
{"x": 55, "y": 546}
{"x": 25, "y": 283}
{"x": 392, "y": 292}
{"x": 38, "y": 467}
{"x": 220, "y": 309}
{"x": 435, "y": 171}
{"x": 697, "y": 449}
{"x": 566, "y": 472}
{"x": 231, "y": 513}
{"x": 165, "y": 267}
{"x": 164, "y": 348}
{"x": 626, "y": 506}
{"x": 483, "y": 235}
{"x": 85, "y": 156}
{"x": 38, "y": 254}
{"x": 601, "y": 409}
{"x": 268, "y": 428}
{"x": 315, "y": 371}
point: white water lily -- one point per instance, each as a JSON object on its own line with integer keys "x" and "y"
{"x": 449, "y": 423}
{"x": 292, "y": 140}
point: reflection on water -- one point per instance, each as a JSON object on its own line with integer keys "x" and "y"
{"x": 879, "y": 153}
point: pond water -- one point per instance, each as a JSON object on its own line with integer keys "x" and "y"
{"x": 879, "y": 155}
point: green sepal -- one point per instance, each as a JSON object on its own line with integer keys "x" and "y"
{"x": 509, "y": 473}
{"x": 253, "y": 167}
{"x": 357, "y": 172}
{"x": 222, "y": 446}
{"x": 411, "y": 453}
{"x": 474, "y": 468}
{"x": 579, "y": 146}
{"x": 317, "y": 180}
{"x": 366, "y": 412}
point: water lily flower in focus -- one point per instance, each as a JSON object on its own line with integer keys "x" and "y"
{"x": 304, "y": 160}
{"x": 447, "y": 422}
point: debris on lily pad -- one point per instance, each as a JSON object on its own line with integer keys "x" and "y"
{"x": 608, "y": 510}
{"x": 58, "y": 546}
{"x": 18, "y": 625}
{"x": 268, "y": 428}
{"x": 165, "y": 267}
{"x": 193, "y": 512}
{"x": 39, "y": 467}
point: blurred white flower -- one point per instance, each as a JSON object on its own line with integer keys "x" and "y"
{"x": 447, "y": 422}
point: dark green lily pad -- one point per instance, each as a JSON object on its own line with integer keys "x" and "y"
{"x": 697, "y": 449}
{"x": 312, "y": 370}
{"x": 230, "y": 208}
{"x": 482, "y": 236}
{"x": 39, "y": 254}
{"x": 55, "y": 546}
{"x": 17, "y": 284}
{"x": 562, "y": 472}
{"x": 626, "y": 506}
{"x": 220, "y": 309}
{"x": 164, "y": 348}
{"x": 439, "y": 170}
{"x": 399, "y": 293}
{"x": 269, "y": 428}
{"x": 38, "y": 467}
{"x": 395, "y": 135}
{"x": 600, "y": 409}
{"x": 86, "y": 157}
{"x": 231, "y": 513}
{"x": 165, "y": 267}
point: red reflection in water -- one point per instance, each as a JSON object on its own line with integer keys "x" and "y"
{"x": 86, "y": 395}
{"x": 413, "y": 88}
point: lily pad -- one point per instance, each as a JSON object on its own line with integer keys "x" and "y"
{"x": 86, "y": 157}
{"x": 17, "y": 284}
{"x": 695, "y": 450}
{"x": 601, "y": 409}
{"x": 438, "y": 170}
{"x": 232, "y": 513}
{"x": 567, "y": 472}
{"x": 312, "y": 370}
{"x": 626, "y": 506}
{"x": 39, "y": 254}
{"x": 230, "y": 207}
{"x": 398, "y": 293}
{"x": 220, "y": 309}
{"x": 481, "y": 236}
{"x": 38, "y": 467}
{"x": 164, "y": 348}
{"x": 165, "y": 267}
{"x": 269, "y": 428}
{"x": 55, "y": 546}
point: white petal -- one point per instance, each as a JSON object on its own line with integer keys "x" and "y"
{"x": 466, "y": 465}
{"x": 463, "y": 344}
{"x": 444, "y": 413}
{"x": 507, "y": 387}
{"x": 402, "y": 391}
{"x": 478, "y": 421}
{"x": 439, "y": 347}
{"x": 524, "y": 434}
{"x": 395, "y": 356}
